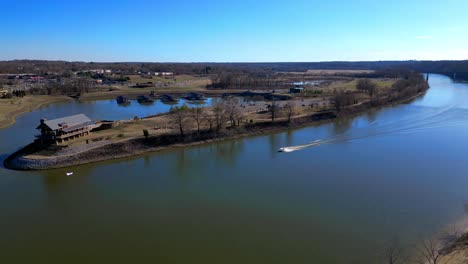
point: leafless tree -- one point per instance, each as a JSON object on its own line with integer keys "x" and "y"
{"x": 393, "y": 254}
{"x": 450, "y": 235}
{"x": 231, "y": 108}
{"x": 428, "y": 250}
{"x": 197, "y": 114}
{"x": 274, "y": 110}
{"x": 342, "y": 99}
{"x": 209, "y": 119}
{"x": 289, "y": 109}
{"x": 178, "y": 115}
{"x": 367, "y": 86}
{"x": 219, "y": 114}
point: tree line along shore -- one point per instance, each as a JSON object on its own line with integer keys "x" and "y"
{"x": 228, "y": 117}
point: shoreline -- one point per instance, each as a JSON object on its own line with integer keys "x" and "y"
{"x": 10, "y": 117}
{"x": 137, "y": 146}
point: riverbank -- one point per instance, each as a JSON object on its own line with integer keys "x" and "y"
{"x": 456, "y": 252}
{"x": 22, "y": 160}
{"x": 454, "y": 242}
{"x": 11, "y": 108}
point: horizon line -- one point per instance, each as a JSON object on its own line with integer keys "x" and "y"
{"x": 229, "y": 62}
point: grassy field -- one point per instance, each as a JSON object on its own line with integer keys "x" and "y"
{"x": 351, "y": 85}
{"x": 136, "y": 78}
{"x": 336, "y": 72}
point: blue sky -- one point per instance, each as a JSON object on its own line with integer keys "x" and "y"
{"x": 233, "y": 31}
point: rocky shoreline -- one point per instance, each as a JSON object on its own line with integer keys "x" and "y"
{"x": 137, "y": 146}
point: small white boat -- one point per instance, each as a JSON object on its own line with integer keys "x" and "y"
{"x": 285, "y": 150}
{"x": 69, "y": 173}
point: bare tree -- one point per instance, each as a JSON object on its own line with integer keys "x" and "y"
{"x": 274, "y": 110}
{"x": 231, "y": 107}
{"x": 289, "y": 109}
{"x": 209, "y": 119}
{"x": 197, "y": 113}
{"x": 219, "y": 114}
{"x": 450, "y": 234}
{"x": 428, "y": 251}
{"x": 342, "y": 99}
{"x": 393, "y": 254}
{"x": 367, "y": 86}
{"x": 178, "y": 115}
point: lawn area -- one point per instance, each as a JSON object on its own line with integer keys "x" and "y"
{"x": 336, "y": 72}
{"x": 136, "y": 78}
{"x": 351, "y": 85}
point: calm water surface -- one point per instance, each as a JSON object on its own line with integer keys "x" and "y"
{"x": 395, "y": 173}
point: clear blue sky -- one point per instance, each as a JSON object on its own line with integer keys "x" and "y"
{"x": 233, "y": 31}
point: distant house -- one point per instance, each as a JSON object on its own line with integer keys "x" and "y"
{"x": 296, "y": 90}
{"x": 64, "y": 129}
{"x": 163, "y": 73}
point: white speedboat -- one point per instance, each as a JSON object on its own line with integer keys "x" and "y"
{"x": 284, "y": 150}
{"x": 69, "y": 173}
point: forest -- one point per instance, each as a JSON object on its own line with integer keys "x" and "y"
{"x": 455, "y": 69}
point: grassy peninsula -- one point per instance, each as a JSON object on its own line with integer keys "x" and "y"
{"x": 233, "y": 113}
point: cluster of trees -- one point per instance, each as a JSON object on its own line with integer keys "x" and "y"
{"x": 222, "y": 113}
{"x": 367, "y": 86}
{"x": 341, "y": 99}
{"x": 19, "y": 93}
{"x": 64, "y": 68}
{"x": 409, "y": 83}
{"x": 457, "y": 69}
{"x": 426, "y": 250}
{"x": 72, "y": 86}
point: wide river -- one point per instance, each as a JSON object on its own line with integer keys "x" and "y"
{"x": 345, "y": 190}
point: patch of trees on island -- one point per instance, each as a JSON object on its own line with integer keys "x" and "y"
{"x": 409, "y": 83}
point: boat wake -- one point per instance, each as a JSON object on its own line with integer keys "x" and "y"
{"x": 299, "y": 147}
{"x": 440, "y": 118}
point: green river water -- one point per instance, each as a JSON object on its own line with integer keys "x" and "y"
{"x": 393, "y": 173}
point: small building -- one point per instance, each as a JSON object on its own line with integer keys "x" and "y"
{"x": 163, "y": 73}
{"x": 296, "y": 90}
{"x": 64, "y": 129}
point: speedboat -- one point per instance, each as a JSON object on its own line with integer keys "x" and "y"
{"x": 69, "y": 173}
{"x": 285, "y": 149}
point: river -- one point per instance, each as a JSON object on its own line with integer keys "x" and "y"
{"x": 344, "y": 190}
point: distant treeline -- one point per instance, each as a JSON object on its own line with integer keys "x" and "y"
{"x": 457, "y": 69}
